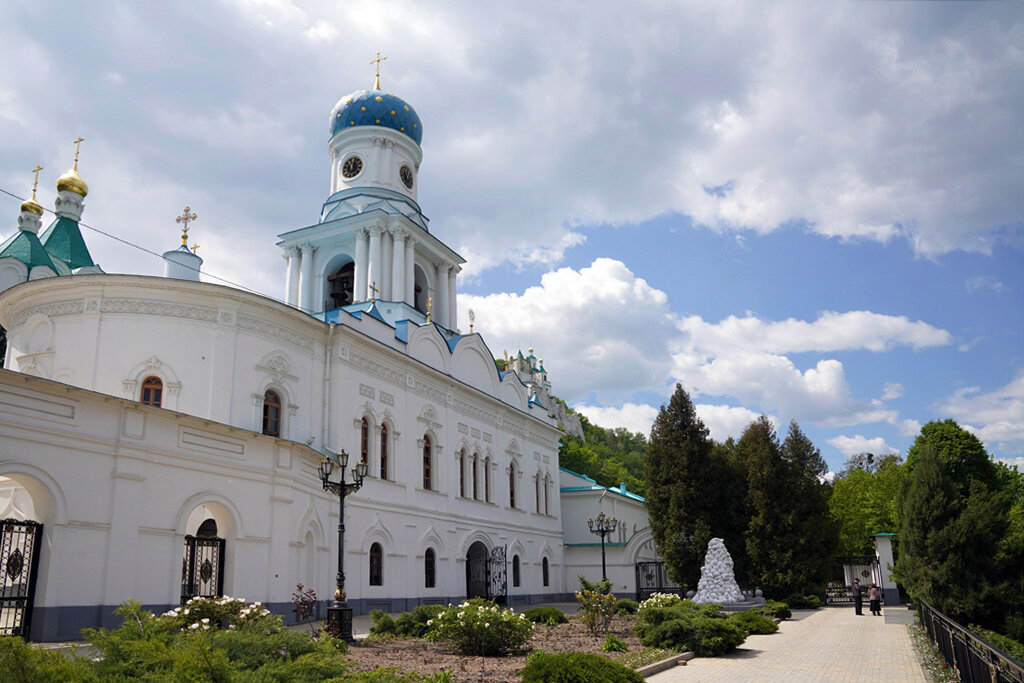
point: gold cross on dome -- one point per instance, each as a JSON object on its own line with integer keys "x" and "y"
{"x": 472, "y": 319}
{"x": 195, "y": 247}
{"x": 78, "y": 144}
{"x": 376, "y": 62}
{"x": 430, "y": 304}
{"x": 35, "y": 182}
{"x": 184, "y": 219}
{"x": 373, "y": 292}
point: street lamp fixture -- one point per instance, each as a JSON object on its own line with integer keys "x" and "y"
{"x": 602, "y": 526}
{"x": 339, "y": 614}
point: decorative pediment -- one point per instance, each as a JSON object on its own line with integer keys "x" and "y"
{"x": 279, "y": 367}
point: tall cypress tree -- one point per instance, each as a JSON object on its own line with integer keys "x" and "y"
{"x": 680, "y": 491}
{"x": 758, "y": 448}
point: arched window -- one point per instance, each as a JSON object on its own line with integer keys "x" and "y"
{"x": 428, "y": 474}
{"x": 208, "y": 529}
{"x": 364, "y": 441}
{"x": 536, "y": 490}
{"x": 487, "y": 479}
{"x": 272, "y": 413}
{"x": 462, "y": 473}
{"x": 476, "y": 476}
{"x": 377, "y": 565}
{"x": 152, "y": 391}
{"x": 515, "y": 571}
{"x": 384, "y": 451}
{"x": 429, "y": 569}
{"x": 544, "y": 570}
{"x": 512, "y": 485}
{"x": 547, "y": 492}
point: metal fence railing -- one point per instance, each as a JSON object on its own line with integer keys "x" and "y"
{"x": 972, "y": 658}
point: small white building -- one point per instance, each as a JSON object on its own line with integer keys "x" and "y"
{"x": 166, "y": 432}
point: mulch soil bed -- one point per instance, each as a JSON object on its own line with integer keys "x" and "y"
{"x": 413, "y": 654}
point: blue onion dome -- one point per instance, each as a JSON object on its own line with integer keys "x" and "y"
{"x": 376, "y": 108}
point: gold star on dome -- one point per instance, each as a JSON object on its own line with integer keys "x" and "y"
{"x": 379, "y": 98}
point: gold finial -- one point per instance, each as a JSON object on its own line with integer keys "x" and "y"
{"x": 373, "y": 292}
{"x": 430, "y": 304}
{"x": 184, "y": 219}
{"x": 32, "y": 205}
{"x": 376, "y": 62}
{"x": 472, "y": 319}
{"x": 35, "y": 181}
{"x": 78, "y": 143}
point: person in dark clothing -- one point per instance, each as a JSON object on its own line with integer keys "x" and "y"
{"x": 875, "y": 600}
{"x": 858, "y": 598}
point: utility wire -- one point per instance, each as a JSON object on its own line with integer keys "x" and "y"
{"x": 153, "y": 253}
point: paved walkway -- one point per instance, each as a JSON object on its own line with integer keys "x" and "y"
{"x": 830, "y": 644}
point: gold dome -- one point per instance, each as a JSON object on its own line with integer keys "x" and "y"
{"x": 31, "y": 206}
{"x": 73, "y": 182}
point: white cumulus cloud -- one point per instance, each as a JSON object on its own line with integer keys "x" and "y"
{"x": 852, "y": 445}
{"x": 633, "y": 416}
{"x": 996, "y": 417}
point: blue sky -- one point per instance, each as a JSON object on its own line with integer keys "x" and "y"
{"x": 808, "y": 210}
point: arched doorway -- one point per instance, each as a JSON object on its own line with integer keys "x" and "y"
{"x": 476, "y": 571}
{"x": 420, "y": 289}
{"x": 204, "y": 557}
{"x": 340, "y": 285}
{"x": 21, "y": 500}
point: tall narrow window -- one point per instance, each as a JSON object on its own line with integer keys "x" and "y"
{"x": 152, "y": 391}
{"x": 462, "y": 473}
{"x": 536, "y": 490}
{"x": 487, "y": 480}
{"x": 377, "y": 565}
{"x": 476, "y": 476}
{"x": 384, "y": 451}
{"x": 544, "y": 570}
{"x": 272, "y": 413}
{"x": 364, "y": 441}
{"x": 515, "y": 571}
{"x": 512, "y": 485}
{"x": 429, "y": 569}
{"x": 428, "y": 474}
{"x": 547, "y": 489}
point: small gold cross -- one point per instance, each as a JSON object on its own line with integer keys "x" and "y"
{"x": 78, "y": 143}
{"x": 376, "y": 85}
{"x": 472, "y": 319}
{"x": 184, "y": 219}
{"x": 373, "y": 292}
{"x": 194, "y": 247}
{"x": 430, "y": 304}
{"x": 35, "y": 182}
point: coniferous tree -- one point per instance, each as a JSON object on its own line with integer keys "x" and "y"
{"x": 758, "y": 449}
{"x": 680, "y": 494}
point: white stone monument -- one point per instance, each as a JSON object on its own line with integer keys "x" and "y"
{"x": 717, "y": 581}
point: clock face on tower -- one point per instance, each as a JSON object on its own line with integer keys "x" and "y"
{"x": 406, "y": 175}
{"x": 352, "y": 167}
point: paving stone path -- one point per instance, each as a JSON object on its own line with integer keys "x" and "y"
{"x": 830, "y": 644}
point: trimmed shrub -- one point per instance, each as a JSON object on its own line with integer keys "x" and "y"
{"x": 660, "y": 600}
{"x": 798, "y": 601}
{"x": 576, "y": 667}
{"x": 614, "y": 644}
{"x": 626, "y": 606}
{"x": 775, "y": 610}
{"x": 704, "y": 629}
{"x": 383, "y": 623}
{"x": 1004, "y": 643}
{"x": 479, "y": 627}
{"x": 596, "y": 609}
{"x": 754, "y": 623}
{"x": 414, "y": 624}
{"x": 544, "y": 615}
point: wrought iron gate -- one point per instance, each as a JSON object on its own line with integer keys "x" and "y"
{"x": 838, "y": 591}
{"x": 651, "y": 577}
{"x": 19, "y": 561}
{"x": 202, "y": 568}
{"x": 497, "y": 576}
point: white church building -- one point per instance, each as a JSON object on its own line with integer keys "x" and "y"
{"x": 160, "y": 436}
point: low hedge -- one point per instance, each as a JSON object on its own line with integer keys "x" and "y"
{"x": 798, "y": 601}
{"x": 626, "y": 606}
{"x": 775, "y": 610}
{"x": 703, "y": 629}
{"x": 576, "y": 667}
{"x": 543, "y": 615}
{"x": 754, "y": 623}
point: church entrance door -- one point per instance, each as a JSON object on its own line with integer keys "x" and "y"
{"x": 19, "y": 562}
{"x": 476, "y": 571}
{"x": 202, "y": 568}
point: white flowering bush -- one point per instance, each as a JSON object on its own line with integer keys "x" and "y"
{"x": 660, "y": 600}
{"x": 479, "y": 627}
{"x": 204, "y": 614}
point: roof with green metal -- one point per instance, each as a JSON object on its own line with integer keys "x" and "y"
{"x": 26, "y": 247}
{"x": 63, "y": 239}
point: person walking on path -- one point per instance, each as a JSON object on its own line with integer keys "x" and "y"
{"x": 858, "y": 598}
{"x": 875, "y": 600}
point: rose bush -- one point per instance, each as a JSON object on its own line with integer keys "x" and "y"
{"x": 479, "y": 627}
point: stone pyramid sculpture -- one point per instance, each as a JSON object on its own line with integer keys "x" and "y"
{"x": 717, "y": 581}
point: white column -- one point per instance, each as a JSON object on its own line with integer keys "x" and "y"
{"x": 441, "y": 317}
{"x": 398, "y": 265}
{"x": 378, "y": 172}
{"x": 453, "y": 304}
{"x": 306, "y": 280}
{"x": 362, "y": 265}
{"x": 375, "y": 270}
{"x": 410, "y": 270}
{"x": 387, "y": 246}
{"x": 291, "y": 289}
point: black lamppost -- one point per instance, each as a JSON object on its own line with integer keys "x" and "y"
{"x": 602, "y": 526}
{"x": 339, "y": 615}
